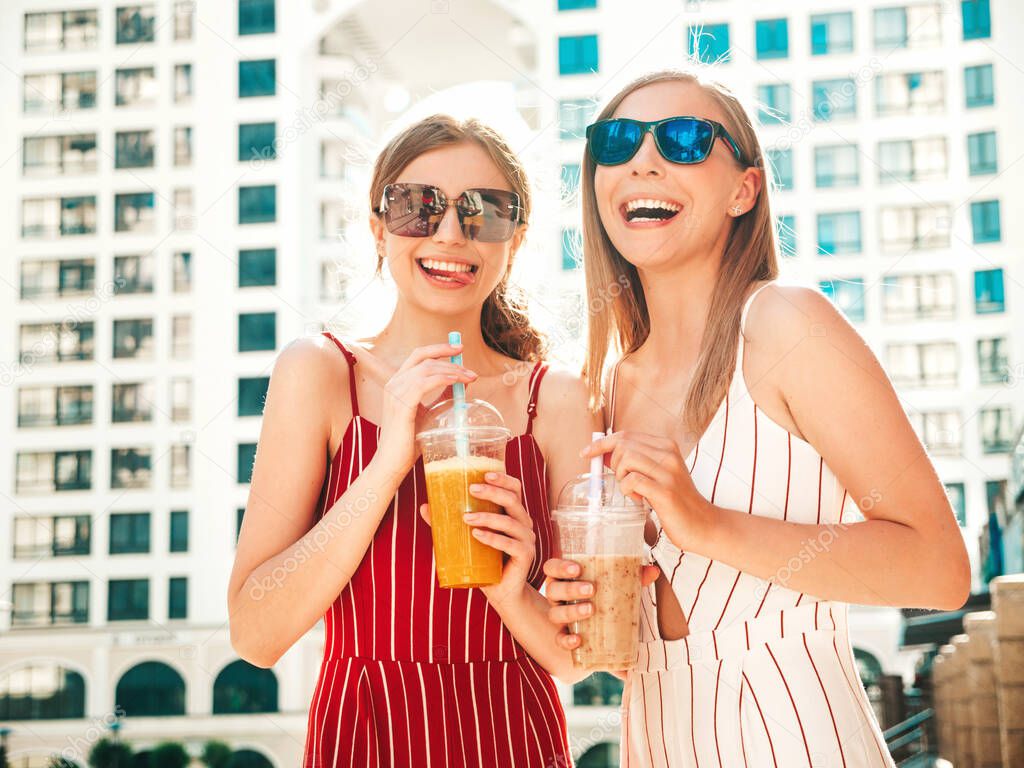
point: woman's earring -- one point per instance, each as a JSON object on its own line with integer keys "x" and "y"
{"x": 736, "y": 210}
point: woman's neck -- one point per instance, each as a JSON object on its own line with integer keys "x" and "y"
{"x": 411, "y": 327}
{"x": 677, "y": 306}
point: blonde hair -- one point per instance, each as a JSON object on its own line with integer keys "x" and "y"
{"x": 621, "y": 316}
{"x": 503, "y": 319}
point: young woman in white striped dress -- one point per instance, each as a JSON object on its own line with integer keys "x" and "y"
{"x": 756, "y": 422}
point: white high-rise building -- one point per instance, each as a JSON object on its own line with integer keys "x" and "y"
{"x": 185, "y": 192}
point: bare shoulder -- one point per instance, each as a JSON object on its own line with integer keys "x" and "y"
{"x": 563, "y": 389}
{"x": 315, "y": 359}
{"x": 780, "y": 316}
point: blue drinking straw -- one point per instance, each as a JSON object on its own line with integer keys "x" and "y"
{"x": 459, "y": 398}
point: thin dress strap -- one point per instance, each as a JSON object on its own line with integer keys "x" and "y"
{"x": 351, "y": 359}
{"x": 531, "y": 408}
{"x": 611, "y": 395}
{"x": 748, "y": 302}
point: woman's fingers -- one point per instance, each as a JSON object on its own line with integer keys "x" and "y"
{"x": 568, "y": 591}
{"x": 501, "y": 523}
{"x": 568, "y": 641}
{"x": 649, "y": 574}
{"x": 512, "y": 547}
{"x": 568, "y": 614}
{"x": 557, "y": 568}
{"x": 430, "y": 351}
{"x": 425, "y": 512}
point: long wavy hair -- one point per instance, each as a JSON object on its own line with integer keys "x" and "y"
{"x": 621, "y": 316}
{"x": 503, "y": 319}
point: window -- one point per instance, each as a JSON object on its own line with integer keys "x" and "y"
{"x": 177, "y": 598}
{"x": 981, "y": 153}
{"x": 257, "y": 266}
{"x": 257, "y": 78}
{"x": 46, "y": 472}
{"x": 256, "y": 141}
{"x": 912, "y": 160}
{"x": 133, "y": 212}
{"x": 183, "y": 145}
{"x": 246, "y": 458}
{"x": 257, "y": 331}
{"x": 572, "y": 248}
{"x": 130, "y": 467}
{"x": 51, "y": 603}
{"x": 910, "y": 93}
{"x": 182, "y": 83}
{"x": 55, "y": 406}
{"x": 848, "y": 295}
{"x": 59, "y": 536}
{"x": 58, "y": 216}
{"x": 136, "y": 24}
{"x": 831, "y": 33}
{"x": 932, "y": 364}
{"x": 133, "y": 339}
{"x": 979, "y": 90}
{"x": 239, "y": 515}
{"x": 910, "y": 26}
{"x": 133, "y": 274}
{"x": 184, "y": 20}
{"x": 774, "y": 103}
{"x": 839, "y": 233}
{"x": 785, "y": 227}
{"x": 709, "y": 43}
{"x": 252, "y": 394}
{"x": 918, "y": 297}
{"x": 179, "y": 531}
{"x": 131, "y": 402}
{"x": 573, "y": 116}
{"x": 988, "y": 291}
{"x": 181, "y": 400}
{"x": 955, "y": 493}
{"x": 129, "y": 533}
{"x": 127, "y": 599}
{"x": 61, "y": 31}
{"x": 939, "y": 431}
{"x": 56, "y": 342}
{"x": 133, "y": 149}
{"x": 183, "y": 209}
{"x": 135, "y": 87}
{"x": 181, "y": 271}
{"x": 996, "y": 430}
{"x": 255, "y": 17}
{"x": 257, "y": 205}
{"x": 181, "y": 466}
{"x": 600, "y": 689}
{"x": 53, "y": 278}
{"x": 781, "y": 163}
{"x": 577, "y": 55}
{"x": 995, "y": 496}
{"x": 914, "y": 227}
{"x": 181, "y": 337}
{"x": 55, "y": 92}
{"x": 833, "y": 99}
{"x": 570, "y": 180}
{"x": 576, "y": 5}
{"x": 772, "y": 37}
{"x": 58, "y": 155}
{"x": 150, "y": 689}
{"x": 836, "y": 166}
{"x": 993, "y": 361}
{"x": 985, "y": 221}
{"x": 977, "y": 19}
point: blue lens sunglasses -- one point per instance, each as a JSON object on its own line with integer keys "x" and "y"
{"x": 683, "y": 140}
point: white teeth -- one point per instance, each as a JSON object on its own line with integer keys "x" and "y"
{"x": 632, "y": 205}
{"x": 446, "y": 266}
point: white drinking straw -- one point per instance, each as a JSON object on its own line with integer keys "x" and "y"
{"x": 596, "y": 478}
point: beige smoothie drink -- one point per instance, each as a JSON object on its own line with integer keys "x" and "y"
{"x": 462, "y": 560}
{"x": 609, "y": 635}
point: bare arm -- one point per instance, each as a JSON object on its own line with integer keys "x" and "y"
{"x": 908, "y": 552}
{"x": 563, "y": 425}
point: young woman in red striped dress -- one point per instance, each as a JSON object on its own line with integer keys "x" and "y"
{"x": 756, "y": 422}
{"x": 335, "y": 526}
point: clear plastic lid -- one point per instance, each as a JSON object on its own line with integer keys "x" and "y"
{"x": 578, "y": 497}
{"x": 481, "y": 421}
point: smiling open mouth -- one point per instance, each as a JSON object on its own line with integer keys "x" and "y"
{"x": 649, "y": 210}
{"x": 453, "y": 272}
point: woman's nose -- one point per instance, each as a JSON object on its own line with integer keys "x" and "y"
{"x": 648, "y": 160}
{"x": 450, "y": 228}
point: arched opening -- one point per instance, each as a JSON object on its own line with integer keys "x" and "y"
{"x": 242, "y": 688}
{"x": 601, "y": 689}
{"x": 150, "y": 689}
{"x": 248, "y": 758}
{"x": 870, "y": 670}
{"x": 603, "y": 755}
{"x": 42, "y": 691}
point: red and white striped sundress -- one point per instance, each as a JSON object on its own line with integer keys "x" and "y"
{"x": 766, "y": 677}
{"x": 416, "y": 675}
